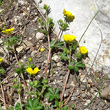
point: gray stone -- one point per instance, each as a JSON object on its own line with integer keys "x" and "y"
{"x": 76, "y": 93}
{"x": 84, "y": 95}
{"x": 84, "y": 12}
{"x": 59, "y": 64}
{"x": 83, "y": 78}
{"x": 74, "y": 98}
{"x": 55, "y": 58}
{"x": 28, "y": 44}
{"x": 105, "y": 93}
{"x": 33, "y": 53}
{"x": 87, "y": 102}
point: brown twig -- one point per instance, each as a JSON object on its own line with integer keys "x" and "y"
{"x": 71, "y": 92}
{"x": 48, "y": 58}
{"x": 65, "y": 102}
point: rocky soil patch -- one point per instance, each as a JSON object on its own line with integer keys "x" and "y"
{"x": 23, "y": 15}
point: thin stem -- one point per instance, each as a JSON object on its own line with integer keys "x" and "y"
{"x": 65, "y": 102}
{"x": 6, "y": 7}
{"x": 48, "y": 57}
{"x": 57, "y": 36}
{"x": 20, "y": 101}
{"x": 88, "y": 25}
{"x": 66, "y": 77}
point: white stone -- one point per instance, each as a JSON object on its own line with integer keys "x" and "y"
{"x": 84, "y": 10}
{"x": 33, "y": 53}
{"x": 106, "y": 93}
{"x": 28, "y": 44}
{"x": 19, "y": 49}
{"x": 39, "y": 35}
{"x": 87, "y": 102}
{"x": 89, "y": 81}
{"x": 83, "y": 78}
{"x": 55, "y": 58}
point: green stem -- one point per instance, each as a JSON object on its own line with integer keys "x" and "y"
{"x": 88, "y": 25}
{"x": 95, "y": 95}
{"x": 6, "y": 7}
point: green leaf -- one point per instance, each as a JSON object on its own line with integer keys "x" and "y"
{"x": 79, "y": 64}
{"x": 76, "y": 68}
{"x": 47, "y": 107}
{"x": 73, "y": 106}
{"x": 56, "y": 90}
{"x": 79, "y": 55}
{"x": 57, "y": 103}
{"x": 63, "y": 56}
{"x": 39, "y": 107}
{"x": 18, "y": 107}
{"x": 70, "y": 67}
{"x": 29, "y": 101}
{"x": 46, "y": 95}
{"x": 57, "y": 44}
{"x": 51, "y": 90}
{"x": 51, "y": 97}
{"x": 28, "y": 107}
{"x": 35, "y": 102}
{"x": 11, "y": 108}
{"x": 51, "y": 43}
{"x": 57, "y": 96}
{"x": 41, "y": 30}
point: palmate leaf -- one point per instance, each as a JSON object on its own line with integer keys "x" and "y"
{"x": 35, "y": 102}
{"x": 43, "y": 31}
{"x": 56, "y": 90}
{"x": 51, "y": 90}
{"x": 76, "y": 66}
{"x": 64, "y": 57}
{"x": 57, "y": 44}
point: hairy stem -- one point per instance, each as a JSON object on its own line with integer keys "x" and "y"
{"x": 66, "y": 77}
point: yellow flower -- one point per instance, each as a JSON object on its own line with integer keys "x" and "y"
{"x": 31, "y": 71}
{"x": 83, "y": 50}
{"x": 8, "y": 31}
{"x": 1, "y": 59}
{"x": 42, "y": 49}
{"x": 68, "y": 38}
{"x": 68, "y": 15}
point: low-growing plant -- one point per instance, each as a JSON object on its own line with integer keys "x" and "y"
{"x": 53, "y": 94}
{"x": 34, "y": 104}
{"x": 36, "y": 90}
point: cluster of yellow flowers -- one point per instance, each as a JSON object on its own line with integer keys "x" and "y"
{"x": 69, "y": 16}
{"x": 31, "y": 71}
{"x": 68, "y": 38}
{"x": 8, "y": 31}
